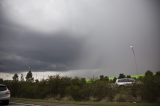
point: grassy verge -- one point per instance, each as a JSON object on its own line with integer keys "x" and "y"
{"x": 48, "y": 102}
{"x": 52, "y": 102}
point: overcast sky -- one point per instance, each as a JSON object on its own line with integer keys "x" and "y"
{"x": 79, "y": 37}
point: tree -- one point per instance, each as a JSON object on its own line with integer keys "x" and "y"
{"x": 121, "y": 76}
{"x": 101, "y": 77}
{"x": 114, "y": 79}
{"x": 15, "y": 77}
{"x": 158, "y": 74}
{"x": 157, "y": 84}
{"x": 148, "y": 73}
{"x": 1, "y": 80}
{"x": 128, "y": 76}
{"x": 106, "y": 78}
{"x": 149, "y": 93}
{"x": 29, "y": 77}
{"x": 37, "y": 81}
{"x": 22, "y": 77}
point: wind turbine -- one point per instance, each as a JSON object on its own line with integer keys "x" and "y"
{"x": 135, "y": 61}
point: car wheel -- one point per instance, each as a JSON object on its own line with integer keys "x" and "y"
{"x": 5, "y": 102}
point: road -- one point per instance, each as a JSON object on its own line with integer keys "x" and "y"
{"x": 20, "y": 104}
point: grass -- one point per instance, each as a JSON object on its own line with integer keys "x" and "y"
{"x": 127, "y": 104}
{"x": 137, "y": 76}
{"x": 52, "y": 102}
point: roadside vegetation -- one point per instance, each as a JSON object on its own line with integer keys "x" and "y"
{"x": 103, "y": 89}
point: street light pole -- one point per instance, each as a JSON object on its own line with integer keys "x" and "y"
{"x": 135, "y": 61}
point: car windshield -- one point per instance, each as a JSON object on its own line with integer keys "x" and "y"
{"x": 3, "y": 88}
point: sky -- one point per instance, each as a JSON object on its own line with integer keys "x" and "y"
{"x": 83, "y": 38}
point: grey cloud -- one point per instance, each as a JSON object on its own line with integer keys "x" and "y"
{"x": 94, "y": 34}
{"x": 60, "y": 49}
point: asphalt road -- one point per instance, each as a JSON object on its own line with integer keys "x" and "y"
{"x": 20, "y": 104}
{"x": 56, "y": 104}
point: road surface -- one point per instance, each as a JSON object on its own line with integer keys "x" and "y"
{"x": 20, "y": 104}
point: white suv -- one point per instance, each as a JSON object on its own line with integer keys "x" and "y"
{"x": 125, "y": 81}
{"x": 4, "y": 94}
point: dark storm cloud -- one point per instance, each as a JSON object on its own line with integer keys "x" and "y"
{"x": 85, "y": 34}
{"x": 19, "y": 49}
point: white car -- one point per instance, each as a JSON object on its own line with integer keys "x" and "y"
{"x": 4, "y": 94}
{"x": 125, "y": 81}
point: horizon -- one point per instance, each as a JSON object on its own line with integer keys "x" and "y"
{"x": 45, "y": 75}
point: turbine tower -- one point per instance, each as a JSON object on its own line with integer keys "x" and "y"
{"x": 135, "y": 61}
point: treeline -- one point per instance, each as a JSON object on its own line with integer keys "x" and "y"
{"x": 146, "y": 88}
